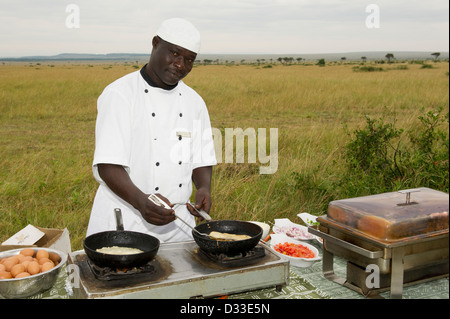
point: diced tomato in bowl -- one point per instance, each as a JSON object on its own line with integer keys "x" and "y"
{"x": 294, "y": 250}
{"x": 300, "y": 254}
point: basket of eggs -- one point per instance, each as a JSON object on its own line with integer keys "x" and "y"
{"x": 28, "y": 271}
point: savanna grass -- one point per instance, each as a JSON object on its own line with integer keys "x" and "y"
{"x": 47, "y": 121}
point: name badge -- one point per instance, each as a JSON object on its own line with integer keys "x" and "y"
{"x": 184, "y": 134}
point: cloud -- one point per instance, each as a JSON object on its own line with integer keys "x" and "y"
{"x": 232, "y": 26}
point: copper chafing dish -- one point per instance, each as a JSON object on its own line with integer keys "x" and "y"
{"x": 388, "y": 240}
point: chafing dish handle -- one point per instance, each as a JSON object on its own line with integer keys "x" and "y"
{"x": 347, "y": 245}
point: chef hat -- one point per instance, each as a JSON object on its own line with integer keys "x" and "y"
{"x": 180, "y": 32}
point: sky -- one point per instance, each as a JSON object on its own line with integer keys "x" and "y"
{"x": 50, "y": 27}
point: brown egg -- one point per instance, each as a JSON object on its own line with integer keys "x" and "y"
{"x": 54, "y": 257}
{"x": 2, "y": 267}
{"x": 5, "y": 275}
{"x": 22, "y": 275}
{"x": 13, "y": 258}
{"x": 27, "y": 252}
{"x": 44, "y": 260}
{"x": 9, "y": 264}
{"x": 27, "y": 258}
{"x": 42, "y": 254}
{"x": 47, "y": 266}
{"x": 17, "y": 269}
{"x": 25, "y": 264}
{"x": 33, "y": 268}
{"x": 20, "y": 257}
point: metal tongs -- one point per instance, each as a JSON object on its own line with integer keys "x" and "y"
{"x": 157, "y": 201}
{"x": 202, "y": 213}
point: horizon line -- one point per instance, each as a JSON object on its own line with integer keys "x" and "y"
{"x": 229, "y": 53}
{"x": 79, "y": 56}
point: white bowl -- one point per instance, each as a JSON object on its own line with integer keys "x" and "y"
{"x": 308, "y": 219}
{"x": 294, "y": 261}
{"x": 293, "y": 230}
{"x": 265, "y": 227}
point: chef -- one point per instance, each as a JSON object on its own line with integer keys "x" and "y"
{"x": 153, "y": 135}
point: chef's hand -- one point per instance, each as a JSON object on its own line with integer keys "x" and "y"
{"x": 202, "y": 201}
{"x": 201, "y": 177}
{"x": 155, "y": 214}
{"x": 119, "y": 181}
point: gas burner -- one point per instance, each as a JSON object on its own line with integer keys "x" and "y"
{"x": 241, "y": 259}
{"x": 107, "y": 273}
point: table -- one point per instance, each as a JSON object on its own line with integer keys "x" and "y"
{"x": 310, "y": 283}
{"x": 304, "y": 283}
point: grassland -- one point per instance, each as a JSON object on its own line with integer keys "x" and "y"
{"x": 47, "y": 120}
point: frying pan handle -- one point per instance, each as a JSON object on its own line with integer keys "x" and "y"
{"x": 119, "y": 220}
{"x": 263, "y": 243}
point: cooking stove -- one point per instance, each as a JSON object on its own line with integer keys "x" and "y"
{"x": 182, "y": 270}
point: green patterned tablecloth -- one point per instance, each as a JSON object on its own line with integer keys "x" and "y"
{"x": 298, "y": 288}
{"x": 310, "y": 283}
{"x": 436, "y": 289}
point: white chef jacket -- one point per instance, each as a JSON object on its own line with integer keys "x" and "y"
{"x": 159, "y": 136}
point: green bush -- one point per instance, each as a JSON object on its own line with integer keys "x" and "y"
{"x": 382, "y": 158}
{"x": 427, "y": 66}
{"x": 401, "y": 67}
{"x": 429, "y": 158}
{"x": 321, "y": 62}
{"x": 367, "y": 69}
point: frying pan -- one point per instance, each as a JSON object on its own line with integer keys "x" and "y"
{"x": 231, "y": 247}
{"x": 147, "y": 243}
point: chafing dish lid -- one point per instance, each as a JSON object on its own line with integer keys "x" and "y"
{"x": 395, "y": 215}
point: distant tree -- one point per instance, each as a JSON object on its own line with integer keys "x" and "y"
{"x": 280, "y": 59}
{"x": 299, "y": 59}
{"x": 364, "y": 59}
{"x": 288, "y": 60}
{"x": 389, "y": 56}
{"x": 321, "y": 62}
{"x": 343, "y": 59}
{"x": 436, "y": 55}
